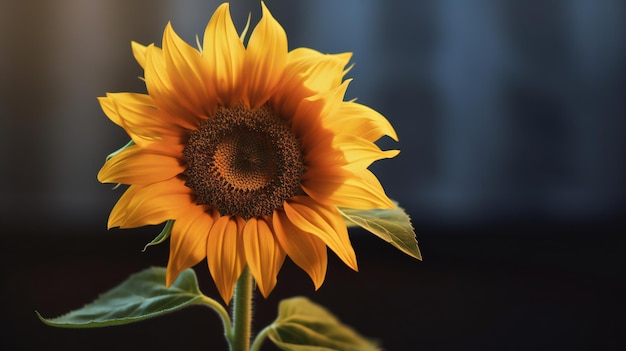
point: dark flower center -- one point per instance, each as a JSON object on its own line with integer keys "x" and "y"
{"x": 243, "y": 161}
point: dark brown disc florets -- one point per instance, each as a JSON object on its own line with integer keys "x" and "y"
{"x": 243, "y": 161}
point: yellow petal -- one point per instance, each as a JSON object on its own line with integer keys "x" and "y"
{"x": 361, "y": 120}
{"x": 225, "y": 254}
{"x": 321, "y": 154}
{"x": 224, "y": 53}
{"x": 305, "y": 250}
{"x": 292, "y": 90}
{"x": 139, "y": 52}
{"x": 324, "y": 222}
{"x": 141, "y": 116}
{"x": 109, "y": 109}
{"x": 265, "y": 60}
{"x": 161, "y": 89}
{"x": 150, "y": 204}
{"x": 326, "y": 74}
{"x": 302, "y": 57}
{"x": 263, "y": 253}
{"x": 143, "y": 122}
{"x": 367, "y": 177}
{"x": 318, "y": 72}
{"x": 360, "y": 153}
{"x": 308, "y": 122}
{"x": 186, "y": 73}
{"x": 188, "y": 240}
{"x": 135, "y": 165}
{"x": 341, "y": 188}
{"x": 364, "y": 184}
{"x": 308, "y": 72}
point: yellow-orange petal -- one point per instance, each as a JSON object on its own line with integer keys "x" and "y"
{"x": 223, "y": 53}
{"x": 139, "y": 52}
{"x": 327, "y": 74}
{"x": 370, "y": 179}
{"x": 316, "y": 71}
{"x": 364, "y": 183}
{"x": 141, "y": 115}
{"x": 263, "y": 253}
{"x": 266, "y": 55}
{"x": 136, "y": 165}
{"x": 344, "y": 150}
{"x": 188, "y": 240}
{"x": 161, "y": 89}
{"x": 342, "y": 188}
{"x": 225, "y": 254}
{"x": 360, "y": 153}
{"x": 308, "y": 122}
{"x": 150, "y": 204}
{"x": 323, "y": 155}
{"x": 142, "y": 120}
{"x": 308, "y": 72}
{"x": 109, "y": 109}
{"x": 325, "y": 222}
{"x": 361, "y": 120}
{"x": 305, "y": 250}
{"x": 186, "y": 73}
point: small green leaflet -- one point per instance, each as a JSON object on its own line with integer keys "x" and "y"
{"x": 143, "y": 295}
{"x": 305, "y": 326}
{"x": 165, "y": 233}
{"x": 129, "y": 144}
{"x": 392, "y": 225}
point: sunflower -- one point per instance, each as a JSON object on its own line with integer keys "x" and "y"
{"x": 249, "y": 148}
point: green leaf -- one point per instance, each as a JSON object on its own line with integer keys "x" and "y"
{"x": 129, "y": 144}
{"x": 305, "y": 326}
{"x": 392, "y": 225}
{"x": 143, "y": 295}
{"x": 165, "y": 233}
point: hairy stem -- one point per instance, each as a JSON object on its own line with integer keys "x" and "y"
{"x": 242, "y": 313}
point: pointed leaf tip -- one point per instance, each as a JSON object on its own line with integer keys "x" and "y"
{"x": 392, "y": 225}
{"x": 143, "y": 295}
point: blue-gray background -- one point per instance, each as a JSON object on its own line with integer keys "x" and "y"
{"x": 502, "y": 108}
{"x": 511, "y": 114}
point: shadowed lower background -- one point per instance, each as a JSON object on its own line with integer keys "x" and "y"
{"x": 511, "y": 118}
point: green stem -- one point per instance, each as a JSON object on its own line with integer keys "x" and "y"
{"x": 258, "y": 341}
{"x": 242, "y": 313}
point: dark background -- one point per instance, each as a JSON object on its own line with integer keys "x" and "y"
{"x": 511, "y": 118}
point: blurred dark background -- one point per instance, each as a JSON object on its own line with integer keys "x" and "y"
{"x": 511, "y": 118}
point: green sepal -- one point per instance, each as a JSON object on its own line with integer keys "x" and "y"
{"x": 165, "y": 233}
{"x": 305, "y": 326}
{"x": 129, "y": 144}
{"x": 143, "y": 295}
{"x": 392, "y": 225}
